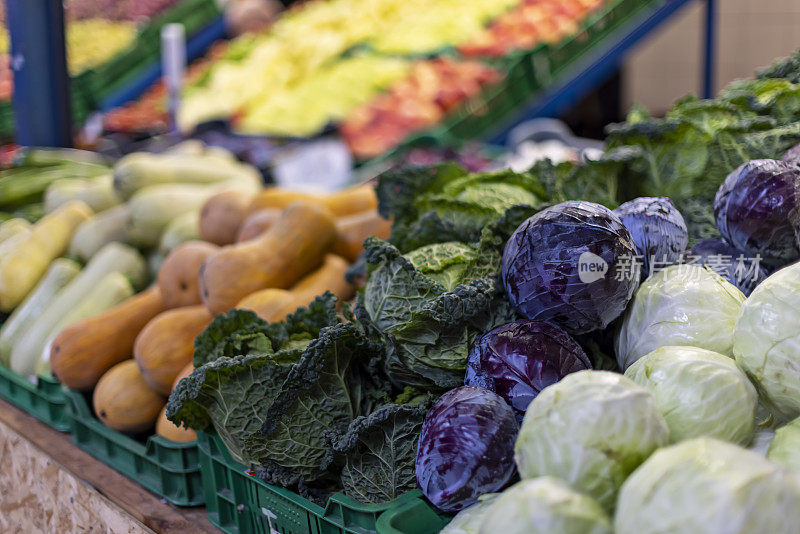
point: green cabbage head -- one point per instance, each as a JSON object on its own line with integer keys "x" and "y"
{"x": 591, "y": 429}
{"x": 468, "y": 520}
{"x": 708, "y": 486}
{"x": 766, "y": 341}
{"x": 685, "y": 305}
{"x": 699, "y": 392}
{"x": 544, "y": 505}
{"x": 784, "y": 447}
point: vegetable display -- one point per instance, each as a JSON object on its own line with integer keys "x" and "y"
{"x": 708, "y": 486}
{"x": 518, "y": 360}
{"x": 561, "y": 265}
{"x": 731, "y": 264}
{"x": 658, "y": 230}
{"x": 699, "y": 393}
{"x": 591, "y": 429}
{"x": 758, "y": 210}
{"x": 680, "y": 305}
{"x": 765, "y": 345}
{"x": 465, "y": 447}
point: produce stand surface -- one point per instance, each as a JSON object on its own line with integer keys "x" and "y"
{"x": 49, "y": 485}
{"x": 170, "y": 469}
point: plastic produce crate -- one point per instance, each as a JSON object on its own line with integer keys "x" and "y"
{"x": 167, "y": 468}
{"x": 43, "y": 398}
{"x": 238, "y": 502}
{"x": 483, "y": 112}
{"x": 146, "y": 48}
{"x": 414, "y": 516}
{"x": 546, "y": 62}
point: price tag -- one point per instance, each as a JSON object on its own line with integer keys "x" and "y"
{"x": 173, "y": 64}
{"x": 322, "y": 165}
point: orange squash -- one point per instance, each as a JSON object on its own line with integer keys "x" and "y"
{"x": 275, "y": 304}
{"x": 294, "y": 246}
{"x": 166, "y": 428}
{"x": 169, "y": 430}
{"x": 166, "y": 345}
{"x": 346, "y": 202}
{"x": 178, "y": 275}
{"x": 123, "y": 400}
{"x": 354, "y": 229}
{"x": 222, "y": 215}
{"x": 85, "y": 350}
{"x": 257, "y": 223}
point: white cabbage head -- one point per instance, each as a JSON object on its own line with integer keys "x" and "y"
{"x": 544, "y": 505}
{"x": 708, "y": 486}
{"x": 699, "y": 392}
{"x": 685, "y": 305}
{"x": 591, "y": 429}
{"x": 766, "y": 341}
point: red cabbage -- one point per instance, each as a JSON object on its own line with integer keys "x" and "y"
{"x": 520, "y": 359}
{"x": 466, "y": 448}
{"x": 572, "y": 265}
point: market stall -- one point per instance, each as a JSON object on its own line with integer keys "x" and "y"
{"x": 571, "y": 336}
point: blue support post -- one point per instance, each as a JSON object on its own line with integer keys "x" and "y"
{"x": 41, "y": 82}
{"x": 709, "y": 56}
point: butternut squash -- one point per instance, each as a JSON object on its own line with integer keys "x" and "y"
{"x": 85, "y": 350}
{"x": 270, "y": 304}
{"x": 276, "y": 259}
{"x": 169, "y": 430}
{"x": 222, "y": 215}
{"x": 166, "y": 345}
{"x": 123, "y": 401}
{"x": 275, "y": 304}
{"x": 178, "y": 275}
{"x": 327, "y": 277}
{"x": 257, "y": 223}
{"x": 354, "y": 229}
{"x": 346, "y": 202}
{"x": 166, "y": 428}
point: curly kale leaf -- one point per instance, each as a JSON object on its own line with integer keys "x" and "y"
{"x": 787, "y": 67}
{"x": 230, "y": 395}
{"x": 322, "y": 393}
{"x": 430, "y": 310}
{"x": 443, "y": 203}
{"x": 241, "y": 332}
{"x": 380, "y": 450}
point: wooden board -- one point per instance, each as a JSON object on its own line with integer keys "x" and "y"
{"x": 49, "y": 485}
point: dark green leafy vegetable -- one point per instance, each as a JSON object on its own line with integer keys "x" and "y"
{"x": 240, "y": 332}
{"x": 444, "y": 203}
{"x": 430, "y": 310}
{"x": 380, "y": 450}
{"x": 272, "y": 406}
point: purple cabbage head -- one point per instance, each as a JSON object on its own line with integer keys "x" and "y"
{"x": 520, "y": 359}
{"x": 658, "y": 229}
{"x": 731, "y": 264}
{"x": 792, "y": 156}
{"x": 757, "y": 210}
{"x": 466, "y": 448}
{"x": 572, "y": 265}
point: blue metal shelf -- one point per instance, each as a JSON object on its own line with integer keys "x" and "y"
{"x": 602, "y": 60}
{"x": 196, "y": 46}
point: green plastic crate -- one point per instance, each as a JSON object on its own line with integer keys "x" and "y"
{"x": 146, "y": 49}
{"x": 238, "y": 502}
{"x": 43, "y": 397}
{"x": 412, "y": 517}
{"x": 482, "y": 113}
{"x": 167, "y": 468}
{"x": 547, "y": 62}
